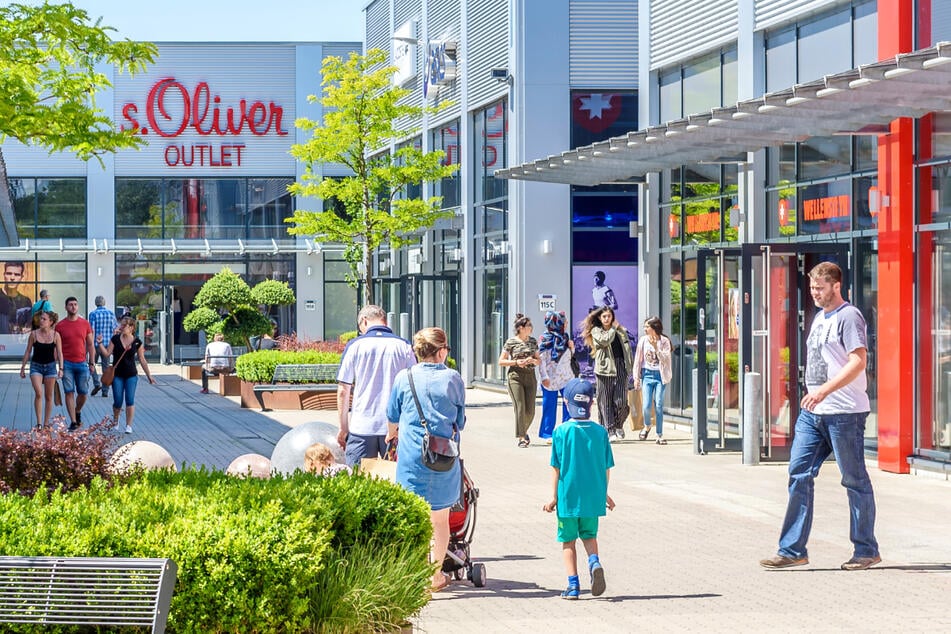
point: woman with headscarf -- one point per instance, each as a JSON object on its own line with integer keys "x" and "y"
{"x": 555, "y": 349}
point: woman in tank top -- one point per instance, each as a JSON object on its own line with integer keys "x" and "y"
{"x": 46, "y": 364}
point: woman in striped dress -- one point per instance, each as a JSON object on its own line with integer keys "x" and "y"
{"x": 610, "y": 346}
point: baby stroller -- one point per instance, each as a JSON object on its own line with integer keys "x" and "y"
{"x": 462, "y": 520}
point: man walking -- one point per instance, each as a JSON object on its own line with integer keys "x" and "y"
{"x": 104, "y": 324}
{"x": 831, "y": 420}
{"x": 78, "y": 359}
{"x": 369, "y": 365}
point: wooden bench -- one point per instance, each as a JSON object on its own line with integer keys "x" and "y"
{"x": 305, "y": 377}
{"x": 105, "y": 591}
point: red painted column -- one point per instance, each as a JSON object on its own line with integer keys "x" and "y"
{"x": 896, "y": 261}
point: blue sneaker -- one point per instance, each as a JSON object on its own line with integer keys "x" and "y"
{"x": 571, "y": 593}
{"x": 597, "y": 578}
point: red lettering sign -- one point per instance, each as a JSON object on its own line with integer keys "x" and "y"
{"x": 202, "y": 112}
{"x": 204, "y": 155}
{"x": 824, "y": 208}
{"x": 698, "y": 223}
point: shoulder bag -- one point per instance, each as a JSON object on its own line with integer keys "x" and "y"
{"x": 439, "y": 454}
{"x": 109, "y": 374}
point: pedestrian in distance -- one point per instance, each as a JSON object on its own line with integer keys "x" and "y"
{"x": 432, "y": 391}
{"x": 368, "y": 368}
{"x": 520, "y": 356}
{"x": 46, "y": 364}
{"x": 653, "y": 371}
{"x": 581, "y": 462}
{"x": 610, "y": 344}
{"x": 124, "y": 347}
{"x": 831, "y": 420}
{"x": 104, "y": 325}
{"x": 555, "y": 350}
{"x": 79, "y": 360}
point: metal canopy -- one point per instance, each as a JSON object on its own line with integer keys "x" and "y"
{"x": 146, "y": 246}
{"x": 854, "y": 101}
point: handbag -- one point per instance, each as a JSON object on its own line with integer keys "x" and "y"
{"x": 109, "y": 373}
{"x": 575, "y": 366}
{"x": 438, "y": 453}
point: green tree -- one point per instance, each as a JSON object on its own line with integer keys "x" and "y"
{"x": 226, "y": 304}
{"x": 49, "y": 80}
{"x": 372, "y": 208}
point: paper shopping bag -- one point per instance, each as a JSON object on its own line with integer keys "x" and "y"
{"x": 57, "y": 395}
{"x": 379, "y": 468}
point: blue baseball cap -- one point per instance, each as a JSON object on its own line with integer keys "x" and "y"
{"x": 579, "y": 397}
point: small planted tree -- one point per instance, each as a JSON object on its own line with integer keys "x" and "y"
{"x": 226, "y": 304}
{"x": 361, "y": 108}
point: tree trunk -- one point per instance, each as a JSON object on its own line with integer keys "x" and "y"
{"x": 8, "y": 224}
{"x": 367, "y": 276}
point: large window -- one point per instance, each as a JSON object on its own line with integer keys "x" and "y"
{"x": 49, "y": 207}
{"x": 248, "y": 208}
{"x": 698, "y": 85}
{"x": 822, "y": 45}
{"x": 446, "y": 139}
{"x": 490, "y": 251}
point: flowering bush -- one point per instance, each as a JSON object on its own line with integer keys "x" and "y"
{"x": 53, "y": 457}
{"x": 292, "y": 343}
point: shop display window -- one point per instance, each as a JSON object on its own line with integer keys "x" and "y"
{"x": 49, "y": 207}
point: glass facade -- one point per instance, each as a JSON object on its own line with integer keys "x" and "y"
{"x": 198, "y": 208}
{"x": 697, "y": 85}
{"x": 49, "y": 207}
{"x": 490, "y": 251}
{"x": 446, "y": 139}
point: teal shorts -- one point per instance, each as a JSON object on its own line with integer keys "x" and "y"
{"x": 571, "y": 528}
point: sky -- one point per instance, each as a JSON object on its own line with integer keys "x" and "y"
{"x": 231, "y": 20}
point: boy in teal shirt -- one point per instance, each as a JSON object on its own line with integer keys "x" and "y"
{"x": 581, "y": 460}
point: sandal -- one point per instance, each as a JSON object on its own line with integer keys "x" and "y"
{"x": 438, "y": 587}
{"x": 661, "y": 441}
{"x": 523, "y": 443}
{"x": 644, "y": 433}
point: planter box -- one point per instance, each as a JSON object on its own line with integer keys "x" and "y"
{"x": 290, "y": 399}
{"x": 228, "y": 385}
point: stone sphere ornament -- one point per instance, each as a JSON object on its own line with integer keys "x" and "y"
{"x": 141, "y": 452}
{"x": 288, "y": 454}
{"x": 250, "y": 464}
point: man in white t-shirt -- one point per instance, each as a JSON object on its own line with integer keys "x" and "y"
{"x": 368, "y": 367}
{"x": 831, "y": 420}
{"x": 219, "y": 359}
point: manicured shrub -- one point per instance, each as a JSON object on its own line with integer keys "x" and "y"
{"x": 293, "y": 343}
{"x": 54, "y": 457}
{"x": 345, "y": 337}
{"x": 258, "y": 366}
{"x": 287, "y": 554}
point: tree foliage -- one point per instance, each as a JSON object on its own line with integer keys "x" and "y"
{"x": 371, "y": 208}
{"x": 226, "y": 304}
{"x": 49, "y": 78}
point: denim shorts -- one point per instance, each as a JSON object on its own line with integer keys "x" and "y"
{"x": 76, "y": 377}
{"x": 46, "y": 370}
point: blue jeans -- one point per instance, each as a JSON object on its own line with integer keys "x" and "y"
{"x": 75, "y": 377}
{"x": 124, "y": 389}
{"x": 550, "y": 412}
{"x": 96, "y": 381}
{"x": 653, "y": 390}
{"x": 816, "y": 437}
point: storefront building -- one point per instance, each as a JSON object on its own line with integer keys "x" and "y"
{"x": 523, "y": 79}
{"x": 145, "y": 228}
{"x": 781, "y": 134}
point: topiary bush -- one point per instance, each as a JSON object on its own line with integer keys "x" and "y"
{"x": 288, "y": 554}
{"x": 53, "y": 457}
{"x": 258, "y": 366}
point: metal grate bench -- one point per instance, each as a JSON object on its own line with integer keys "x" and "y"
{"x": 107, "y": 591}
{"x": 306, "y": 377}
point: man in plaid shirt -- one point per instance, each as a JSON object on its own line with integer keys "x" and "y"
{"x": 104, "y": 324}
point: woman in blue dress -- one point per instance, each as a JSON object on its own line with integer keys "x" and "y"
{"x": 442, "y": 396}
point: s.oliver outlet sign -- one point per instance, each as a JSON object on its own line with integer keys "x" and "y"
{"x": 171, "y": 108}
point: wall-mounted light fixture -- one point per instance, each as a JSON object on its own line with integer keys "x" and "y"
{"x": 546, "y": 247}
{"x": 99, "y": 271}
{"x": 309, "y": 271}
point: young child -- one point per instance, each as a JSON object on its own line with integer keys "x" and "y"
{"x": 581, "y": 460}
{"x": 319, "y": 460}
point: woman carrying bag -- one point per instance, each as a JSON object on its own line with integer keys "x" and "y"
{"x": 125, "y": 375}
{"x": 613, "y": 361}
{"x": 555, "y": 350}
{"x": 652, "y": 369}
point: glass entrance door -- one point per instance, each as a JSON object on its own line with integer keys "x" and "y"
{"x": 718, "y": 348}
{"x": 433, "y": 300}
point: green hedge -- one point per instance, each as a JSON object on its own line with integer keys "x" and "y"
{"x": 258, "y": 366}
{"x": 286, "y": 554}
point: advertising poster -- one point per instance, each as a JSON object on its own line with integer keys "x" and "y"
{"x": 593, "y": 286}
{"x": 16, "y": 301}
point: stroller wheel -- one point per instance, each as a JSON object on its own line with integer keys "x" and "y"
{"x": 478, "y": 575}
{"x": 458, "y": 574}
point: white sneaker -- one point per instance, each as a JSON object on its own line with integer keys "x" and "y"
{"x": 620, "y": 433}
{"x": 128, "y": 429}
